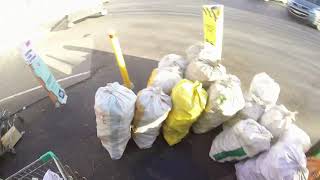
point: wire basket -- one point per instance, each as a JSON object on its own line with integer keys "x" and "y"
{"x": 49, "y": 161}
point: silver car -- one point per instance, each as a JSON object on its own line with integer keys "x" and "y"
{"x": 308, "y": 10}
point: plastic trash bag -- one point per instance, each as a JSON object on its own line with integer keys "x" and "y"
{"x": 165, "y": 78}
{"x": 225, "y": 100}
{"x": 284, "y": 161}
{"x": 251, "y": 110}
{"x": 193, "y": 51}
{"x": 295, "y": 135}
{"x": 231, "y": 122}
{"x": 114, "y": 109}
{"x": 152, "y": 108}
{"x": 173, "y": 60}
{"x": 49, "y": 175}
{"x": 245, "y": 139}
{"x": 204, "y": 72}
{"x": 209, "y": 54}
{"x": 188, "y": 101}
{"x": 264, "y": 89}
{"x": 277, "y": 119}
{"x": 203, "y": 51}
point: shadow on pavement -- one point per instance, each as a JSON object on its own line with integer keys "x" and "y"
{"x": 70, "y": 132}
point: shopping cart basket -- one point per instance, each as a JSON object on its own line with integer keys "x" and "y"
{"x": 49, "y": 161}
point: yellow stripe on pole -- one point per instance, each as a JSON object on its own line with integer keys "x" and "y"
{"x": 120, "y": 60}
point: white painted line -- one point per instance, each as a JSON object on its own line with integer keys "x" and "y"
{"x": 38, "y": 87}
{"x": 73, "y": 76}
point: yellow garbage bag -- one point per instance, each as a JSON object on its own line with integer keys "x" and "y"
{"x": 188, "y": 100}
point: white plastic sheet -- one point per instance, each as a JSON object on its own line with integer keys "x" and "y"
{"x": 245, "y": 139}
{"x": 152, "y": 108}
{"x": 114, "y": 108}
{"x": 49, "y": 175}
{"x": 225, "y": 100}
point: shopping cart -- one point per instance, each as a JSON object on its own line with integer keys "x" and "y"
{"x": 49, "y": 161}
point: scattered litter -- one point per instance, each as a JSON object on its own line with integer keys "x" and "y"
{"x": 245, "y": 139}
{"x": 114, "y": 108}
{"x": 264, "y": 89}
{"x": 205, "y": 73}
{"x": 277, "y": 119}
{"x": 225, "y": 100}
{"x": 152, "y": 108}
{"x": 283, "y": 161}
{"x": 188, "y": 101}
{"x": 166, "y": 78}
{"x": 9, "y": 134}
{"x": 173, "y": 60}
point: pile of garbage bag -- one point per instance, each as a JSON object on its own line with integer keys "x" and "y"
{"x": 197, "y": 93}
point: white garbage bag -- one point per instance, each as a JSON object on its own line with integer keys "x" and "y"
{"x": 114, "y": 109}
{"x": 203, "y": 51}
{"x": 295, "y": 135}
{"x": 245, "y": 139}
{"x": 173, "y": 60}
{"x": 282, "y": 162}
{"x": 225, "y": 100}
{"x": 252, "y": 110}
{"x": 277, "y": 119}
{"x": 264, "y": 89}
{"x": 193, "y": 51}
{"x": 231, "y": 122}
{"x": 209, "y": 54}
{"x": 166, "y": 78}
{"x": 152, "y": 108}
{"x": 205, "y": 73}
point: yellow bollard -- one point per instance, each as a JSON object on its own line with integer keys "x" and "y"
{"x": 120, "y": 60}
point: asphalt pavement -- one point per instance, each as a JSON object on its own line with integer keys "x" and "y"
{"x": 258, "y": 37}
{"x": 70, "y": 132}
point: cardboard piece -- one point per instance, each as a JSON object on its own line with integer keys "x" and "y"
{"x": 41, "y": 71}
{"x": 10, "y": 139}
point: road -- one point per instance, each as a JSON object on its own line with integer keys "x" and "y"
{"x": 258, "y": 37}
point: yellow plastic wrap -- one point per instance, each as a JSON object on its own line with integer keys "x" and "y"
{"x": 189, "y": 100}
